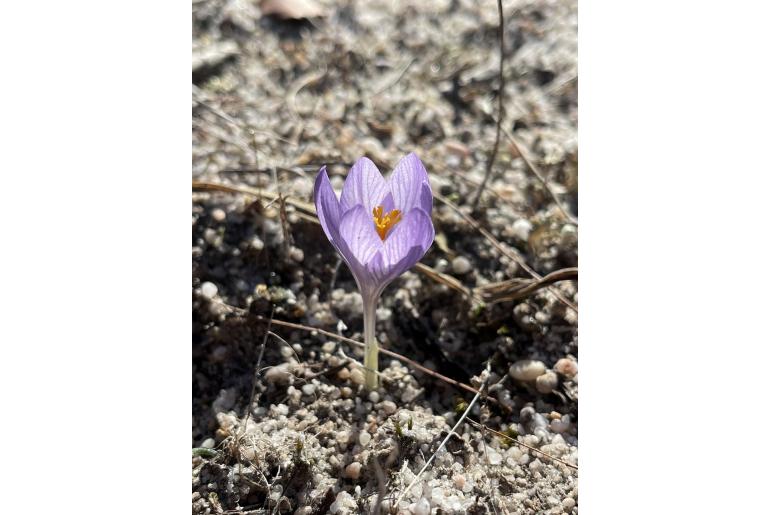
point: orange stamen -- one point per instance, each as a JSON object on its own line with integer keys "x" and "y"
{"x": 384, "y": 223}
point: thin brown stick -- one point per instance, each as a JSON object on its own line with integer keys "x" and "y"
{"x": 500, "y": 96}
{"x": 515, "y": 289}
{"x": 502, "y": 435}
{"x": 499, "y": 246}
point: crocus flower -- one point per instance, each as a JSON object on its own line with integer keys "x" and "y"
{"x": 381, "y": 228}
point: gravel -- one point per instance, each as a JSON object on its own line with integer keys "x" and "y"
{"x": 273, "y": 100}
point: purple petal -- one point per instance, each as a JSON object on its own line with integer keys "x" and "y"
{"x": 327, "y": 206}
{"x": 406, "y": 184}
{"x": 364, "y": 186}
{"x": 426, "y": 198}
{"x": 415, "y": 229}
{"x": 404, "y": 246}
{"x": 358, "y": 232}
{"x": 382, "y": 274}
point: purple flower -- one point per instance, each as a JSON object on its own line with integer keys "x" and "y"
{"x": 380, "y": 227}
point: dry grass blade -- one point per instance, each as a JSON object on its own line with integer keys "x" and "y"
{"x": 518, "y": 288}
{"x": 500, "y": 96}
{"x": 447, "y": 280}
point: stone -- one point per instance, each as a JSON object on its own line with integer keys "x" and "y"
{"x": 357, "y": 376}
{"x": 522, "y": 228}
{"x": 209, "y": 290}
{"x": 422, "y": 507}
{"x": 546, "y": 383}
{"x": 353, "y": 471}
{"x": 527, "y": 369}
{"x": 389, "y": 407}
{"x": 461, "y": 265}
{"x": 566, "y": 367}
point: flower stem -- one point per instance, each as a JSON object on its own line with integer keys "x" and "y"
{"x": 371, "y": 348}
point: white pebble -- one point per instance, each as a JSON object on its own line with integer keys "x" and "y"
{"x": 257, "y": 243}
{"x": 208, "y": 443}
{"x": 328, "y": 347}
{"x": 546, "y": 383}
{"x": 559, "y": 426}
{"x": 364, "y": 438}
{"x": 296, "y": 254}
{"x": 209, "y": 290}
{"x": 278, "y": 374}
{"x": 461, "y": 265}
{"x": 521, "y": 228}
{"x": 389, "y": 407}
{"x": 219, "y": 215}
{"x": 422, "y": 507}
{"x": 527, "y": 369}
{"x": 568, "y": 503}
{"x": 374, "y": 396}
{"x": 308, "y": 389}
{"x": 494, "y": 457}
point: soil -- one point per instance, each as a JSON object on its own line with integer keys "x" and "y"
{"x": 281, "y": 422}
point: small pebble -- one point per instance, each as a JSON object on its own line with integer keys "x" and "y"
{"x": 459, "y": 481}
{"x": 568, "y": 503}
{"x": 208, "y": 443}
{"x": 296, "y": 254}
{"x": 521, "y": 228}
{"x": 343, "y": 374}
{"x": 364, "y": 438}
{"x": 527, "y": 369}
{"x": 278, "y": 374}
{"x": 328, "y": 347}
{"x": 461, "y": 265}
{"x": 422, "y": 507}
{"x": 357, "y": 376}
{"x": 219, "y": 215}
{"x": 257, "y": 243}
{"x": 494, "y": 457}
{"x": 546, "y": 383}
{"x": 308, "y": 389}
{"x": 389, "y": 407}
{"x": 560, "y": 425}
{"x": 566, "y": 367}
{"x": 209, "y": 290}
{"x": 210, "y": 235}
{"x": 353, "y": 471}
{"x": 374, "y": 396}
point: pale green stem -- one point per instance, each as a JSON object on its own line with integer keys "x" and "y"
{"x": 370, "y": 341}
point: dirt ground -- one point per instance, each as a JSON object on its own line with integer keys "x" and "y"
{"x": 275, "y": 98}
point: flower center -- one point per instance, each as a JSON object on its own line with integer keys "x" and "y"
{"x": 384, "y": 222}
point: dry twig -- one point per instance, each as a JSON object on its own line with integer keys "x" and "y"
{"x": 500, "y": 96}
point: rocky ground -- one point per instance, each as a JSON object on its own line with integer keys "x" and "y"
{"x": 281, "y": 88}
